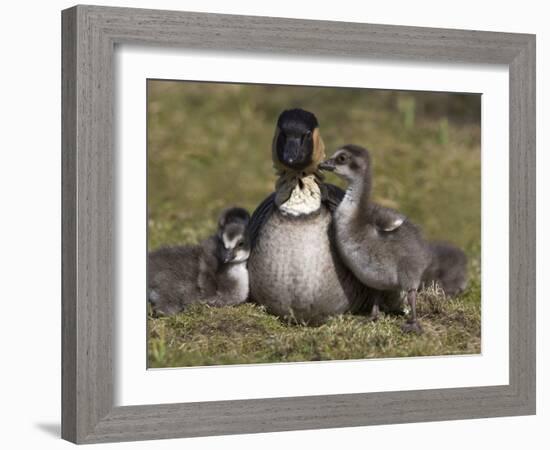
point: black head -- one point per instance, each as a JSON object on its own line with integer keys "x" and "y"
{"x": 233, "y": 241}
{"x": 294, "y": 139}
{"x": 349, "y": 162}
{"x": 233, "y": 215}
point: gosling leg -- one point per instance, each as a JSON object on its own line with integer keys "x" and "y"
{"x": 412, "y": 325}
{"x": 375, "y": 311}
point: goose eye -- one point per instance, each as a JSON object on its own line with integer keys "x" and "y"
{"x": 240, "y": 244}
{"x": 305, "y": 136}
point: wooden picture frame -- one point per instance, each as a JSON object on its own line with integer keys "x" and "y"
{"x": 90, "y": 34}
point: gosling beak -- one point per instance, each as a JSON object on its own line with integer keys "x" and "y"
{"x": 227, "y": 256}
{"x": 327, "y": 165}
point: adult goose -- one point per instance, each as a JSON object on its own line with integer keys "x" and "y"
{"x": 294, "y": 267}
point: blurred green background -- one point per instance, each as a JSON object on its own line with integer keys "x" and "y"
{"x": 209, "y": 147}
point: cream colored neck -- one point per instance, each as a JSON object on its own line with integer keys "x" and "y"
{"x": 304, "y": 197}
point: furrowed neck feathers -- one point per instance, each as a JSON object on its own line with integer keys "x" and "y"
{"x": 358, "y": 195}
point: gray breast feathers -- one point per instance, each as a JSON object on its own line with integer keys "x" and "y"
{"x": 296, "y": 273}
{"x": 294, "y": 267}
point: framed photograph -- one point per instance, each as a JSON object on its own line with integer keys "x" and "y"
{"x": 279, "y": 224}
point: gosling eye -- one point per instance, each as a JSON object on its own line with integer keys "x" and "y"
{"x": 341, "y": 159}
{"x": 240, "y": 244}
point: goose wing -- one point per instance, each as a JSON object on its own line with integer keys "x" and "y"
{"x": 259, "y": 217}
{"x": 331, "y": 196}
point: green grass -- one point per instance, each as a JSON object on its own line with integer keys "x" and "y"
{"x": 209, "y": 147}
{"x": 247, "y": 334}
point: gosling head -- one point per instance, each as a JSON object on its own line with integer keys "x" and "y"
{"x": 351, "y": 162}
{"x": 297, "y": 143}
{"x": 233, "y": 243}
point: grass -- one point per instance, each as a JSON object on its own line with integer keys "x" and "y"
{"x": 209, "y": 147}
{"x": 247, "y": 334}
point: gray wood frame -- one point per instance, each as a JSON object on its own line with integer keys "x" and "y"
{"x": 90, "y": 34}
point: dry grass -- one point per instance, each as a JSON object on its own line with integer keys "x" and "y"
{"x": 247, "y": 334}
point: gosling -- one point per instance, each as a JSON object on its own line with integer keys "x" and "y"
{"x": 380, "y": 246}
{"x": 449, "y": 268}
{"x": 213, "y": 273}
